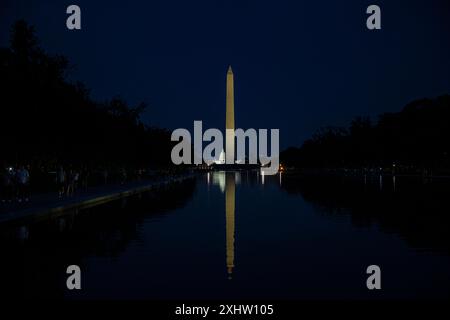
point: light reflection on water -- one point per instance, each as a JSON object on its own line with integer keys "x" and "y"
{"x": 243, "y": 235}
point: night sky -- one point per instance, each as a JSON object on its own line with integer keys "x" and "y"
{"x": 298, "y": 65}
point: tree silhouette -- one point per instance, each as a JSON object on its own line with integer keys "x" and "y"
{"x": 416, "y": 137}
{"x": 44, "y": 117}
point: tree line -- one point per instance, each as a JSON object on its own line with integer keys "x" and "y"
{"x": 417, "y": 137}
{"x": 45, "y": 117}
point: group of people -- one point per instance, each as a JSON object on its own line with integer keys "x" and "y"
{"x": 15, "y": 184}
{"x": 69, "y": 181}
{"x": 15, "y": 180}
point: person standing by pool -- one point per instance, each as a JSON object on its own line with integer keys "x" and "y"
{"x": 123, "y": 176}
{"x": 72, "y": 177}
{"x": 23, "y": 179}
{"x": 11, "y": 183}
{"x": 69, "y": 182}
{"x": 76, "y": 179}
{"x": 61, "y": 181}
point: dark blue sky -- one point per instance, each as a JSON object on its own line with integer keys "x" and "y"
{"x": 298, "y": 65}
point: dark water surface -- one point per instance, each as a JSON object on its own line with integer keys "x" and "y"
{"x": 242, "y": 235}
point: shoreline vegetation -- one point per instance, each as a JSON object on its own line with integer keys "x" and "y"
{"x": 55, "y": 138}
{"x": 48, "y": 120}
{"x": 414, "y": 141}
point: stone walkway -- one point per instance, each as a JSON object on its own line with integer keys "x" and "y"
{"x": 46, "y": 205}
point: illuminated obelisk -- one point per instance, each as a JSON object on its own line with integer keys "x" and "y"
{"x": 229, "y": 125}
{"x": 230, "y": 190}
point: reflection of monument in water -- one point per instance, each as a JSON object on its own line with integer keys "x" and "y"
{"x": 227, "y": 180}
{"x": 230, "y": 191}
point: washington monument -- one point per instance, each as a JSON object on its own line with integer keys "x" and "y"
{"x": 257, "y": 141}
{"x": 229, "y": 125}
